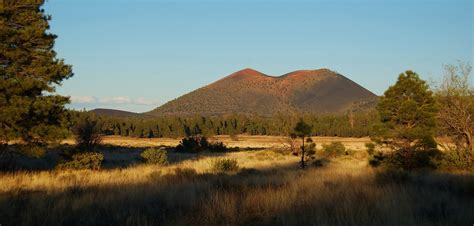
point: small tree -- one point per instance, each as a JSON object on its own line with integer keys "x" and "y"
{"x": 87, "y": 132}
{"x": 290, "y": 144}
{"x": 407, "y": 112}
{"x": 303, "y": 131}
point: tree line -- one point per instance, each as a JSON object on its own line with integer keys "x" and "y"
{"x": 357, "y": 124}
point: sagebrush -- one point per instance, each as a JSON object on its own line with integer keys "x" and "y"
{"x": 224, "y": 165}
{"x": 155, "y": 156}
{"x": 83, "y": 160}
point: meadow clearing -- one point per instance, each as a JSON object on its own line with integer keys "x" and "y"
{"x": 268, "y": 189}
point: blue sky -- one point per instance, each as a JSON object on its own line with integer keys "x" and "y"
{"x": 137, "y": 54}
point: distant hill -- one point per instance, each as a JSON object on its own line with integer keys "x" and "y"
{"x": 113, "y": 112}
{"x": 250, "y": 91}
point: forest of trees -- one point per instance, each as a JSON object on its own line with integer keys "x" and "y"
{"x": 344, "y": 125}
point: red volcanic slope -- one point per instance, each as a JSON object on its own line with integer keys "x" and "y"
{"x": 250, "y": 91}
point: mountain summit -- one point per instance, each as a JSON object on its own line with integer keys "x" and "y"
{"x": 250, "y": 91}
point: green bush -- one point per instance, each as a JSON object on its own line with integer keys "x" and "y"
{"x": 33, "y": 150}
{"x": 155, "y": 156}
{"x": 399, "y": 160}
{"x": 377, "y": 159}
{"x": 197, "y": 143}
{"x": 84, "y": 160}
{"x": 87, "y": 132}
{"x": 370, "y": 148}
{"x": 318, "y": 163}
{"x": 225, "y": 165}
{"x": 334, "y": 149}
{"x": 217, "y": 147}
{"x": 310, "y": 149}
{"x": 192, "y": 144}
{"x": 456, "y": 160}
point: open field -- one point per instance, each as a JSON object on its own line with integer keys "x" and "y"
{"x": 268, "y": 189}
{"x": 243, "y": 141}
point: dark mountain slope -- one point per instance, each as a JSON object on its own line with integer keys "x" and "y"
{"x": 113, "y": 112}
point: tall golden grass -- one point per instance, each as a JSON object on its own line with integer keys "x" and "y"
{"x": 268, "y": 190}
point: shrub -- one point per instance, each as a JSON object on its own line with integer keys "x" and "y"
{"x": 192, "y": 144}
{"x": 196, "y": 144}
{"x": 33, "y": 150}
{"x": 310, "y": 149}
{"x": 87, "y": 132}
{"x": 334, "y": 149}
{"x": 377, "y": 159}
{"x": 217, "y": 147}
{"x": 84, "y": 160}
{"x": 349, "y": 152}
{"x": 225, "y": 165}
{"x": 318, "y": 162}
{"x": 455, "y": 159}
{"x": 370, "y": 148}
{"x": 155, "y": 156}
{"x": 397, "y": 160}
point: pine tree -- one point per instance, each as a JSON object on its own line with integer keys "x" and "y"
{"x": 303, "y": 131}
{"x": 29, "y": 72}
{"x": 407, "y": 112}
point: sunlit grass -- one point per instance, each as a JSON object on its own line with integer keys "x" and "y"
{"x": 268, "y": 189}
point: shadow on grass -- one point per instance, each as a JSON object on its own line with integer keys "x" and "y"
{"x": 114, "y": 157}
{"x": 284, "y": 195}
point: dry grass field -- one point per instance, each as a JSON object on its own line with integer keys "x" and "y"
{"x": 243, "y": 141}
{"x": 268, "y": 189}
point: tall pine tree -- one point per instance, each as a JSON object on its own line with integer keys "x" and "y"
{"x": 407, "y": 112}
{"x": 29, "y": 72}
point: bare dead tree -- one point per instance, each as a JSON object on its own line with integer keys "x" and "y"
{"x": 291, "y": 144}
{"x": 456, "y": 114}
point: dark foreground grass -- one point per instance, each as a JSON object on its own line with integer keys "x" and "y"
{"x": 316, "y": 196}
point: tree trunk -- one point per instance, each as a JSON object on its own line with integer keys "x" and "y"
{"x": 302, "y": 155}
{"x": 351, "y": 119}
{"x": 469, "y": 142}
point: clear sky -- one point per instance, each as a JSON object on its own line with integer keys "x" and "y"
{"x": 137, "y": 54}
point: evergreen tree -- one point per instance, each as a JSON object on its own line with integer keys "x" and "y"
{"x": 303, "y": 131}
{"x": 29, "y": 72}
{"x": 87, "y": 132}
{"x": 407, "y": 112}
